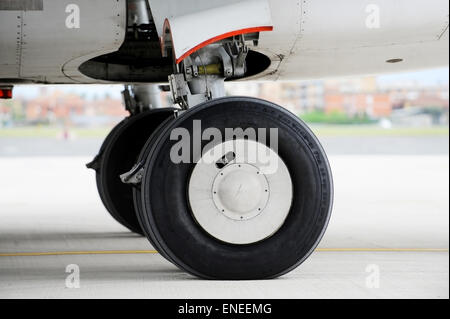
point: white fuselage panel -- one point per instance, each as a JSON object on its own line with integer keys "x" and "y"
{"x": 310, "y": 38}
{"x": 49, "y": 45}
{"x": 320, "y": 38}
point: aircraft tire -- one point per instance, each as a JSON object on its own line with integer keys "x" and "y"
{"x": 117, "y": 154}
{"x": 224, "y": 215}
{"x": 137, "y": 198}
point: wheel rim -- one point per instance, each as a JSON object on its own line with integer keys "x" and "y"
{"x": 245, "y": 200}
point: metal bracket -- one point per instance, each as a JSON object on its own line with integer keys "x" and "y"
{"x": 185, "y": 94}
{"x": 179, "y": 89}
{"x": 238, "y": 51}
{"x": 134, "y": 176}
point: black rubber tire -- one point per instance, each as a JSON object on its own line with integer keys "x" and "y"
{"x": 166, "y": 213}
{"x": 137, "y": 197}
{"x": 117, "y": 155}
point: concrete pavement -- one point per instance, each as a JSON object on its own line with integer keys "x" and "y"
{"x": 383, "y": 204}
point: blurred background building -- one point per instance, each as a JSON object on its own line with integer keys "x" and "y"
{"x": 363, "y": 100}
{"x": 357, "y": 100}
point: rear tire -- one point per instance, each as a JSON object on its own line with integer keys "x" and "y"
{"x": 117, "y": 155}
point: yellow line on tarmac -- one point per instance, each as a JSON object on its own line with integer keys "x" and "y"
{"x": 146, "y": 252}
{"x": 417, "y": 250}
{"x": 74, "y": 253}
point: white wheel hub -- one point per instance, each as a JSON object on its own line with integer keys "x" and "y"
{"x": 240, "y": 192}
{"x": 243, "y": 202}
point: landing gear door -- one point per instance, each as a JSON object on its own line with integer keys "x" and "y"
{"x": 187, "y": 26}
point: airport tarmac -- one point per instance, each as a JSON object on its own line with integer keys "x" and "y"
{"x": 334, "y": 145}
{"x": 388, "y": 237}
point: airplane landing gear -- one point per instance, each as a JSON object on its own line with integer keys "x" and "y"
{"x": 229, "y": 188}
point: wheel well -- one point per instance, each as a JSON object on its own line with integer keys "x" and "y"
{"x": 142, "y": 63}
{"x": 256, "y": 63}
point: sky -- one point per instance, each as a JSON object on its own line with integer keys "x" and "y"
{"x": 425, "y": 78}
